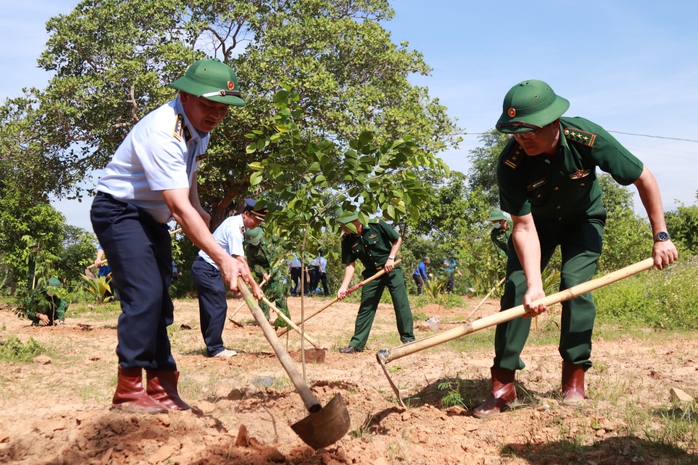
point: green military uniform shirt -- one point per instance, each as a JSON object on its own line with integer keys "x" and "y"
{"x": 564, "y": 197}
{"x": 267, "y": 258}
{"x": 500, "y": 238}
{"x": 56, "y": 309}
{"x": 564, "y": 189}
{"x": 372, "y": 247}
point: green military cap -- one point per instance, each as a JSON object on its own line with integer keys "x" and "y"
{"x": 54, "y": 282}
{"x": 496, "y": 215}
{"x": 530, "y": 105}
{"x": 212, "y": 80}
{"x": 254, "y": 236}
{"x": 345, "y": 217}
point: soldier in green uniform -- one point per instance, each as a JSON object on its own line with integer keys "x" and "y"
{"x": 501, "y": 230}
{"x": 52, "y": 309}
{"x": 547, "y": 183}
{"x": 376, "y": 244}
{"x": 266, "y": 262}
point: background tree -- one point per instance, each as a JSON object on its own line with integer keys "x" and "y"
{"x": 482, "y": 174}
{"x": 113, "y": 59}
{"x": 682, "y": 224}
{"x": 327, "y": 176}
{"x": 20, "y": 228}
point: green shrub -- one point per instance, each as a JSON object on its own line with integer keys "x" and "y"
{"x": 12, "y": 350}
{"x": 665, "y": 299}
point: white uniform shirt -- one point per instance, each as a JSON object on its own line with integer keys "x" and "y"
{"x": 321, "y": 264}
{"x": 229, "y": 235}
{"x": 295, "y": 263}
{"x": 161, "y": 152}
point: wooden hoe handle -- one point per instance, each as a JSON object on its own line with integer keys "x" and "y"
{"x": 515, "y": 312}
{"x": 283, "y": 331}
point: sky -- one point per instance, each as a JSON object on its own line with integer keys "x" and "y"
{"x": 628, "y": 66}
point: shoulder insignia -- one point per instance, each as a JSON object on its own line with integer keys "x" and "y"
{"x": 579, "y": 136}
{"x": 374, "y": 220}
{"x": 514, "y": 157}
{"x": 178, "y": 130}
{"x": 181, "y": 130}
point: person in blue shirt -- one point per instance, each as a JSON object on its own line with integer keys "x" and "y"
{"x": 150, "y": 181}
{"x": 420, "y": 274}
{"x": 451, "y": 268}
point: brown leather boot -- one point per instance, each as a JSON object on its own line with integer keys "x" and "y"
{"x": 162, "y": 386}
{"x": 503, "y": 393}
{"x": 572, "y": 383}
{"x": 131, "y": 397}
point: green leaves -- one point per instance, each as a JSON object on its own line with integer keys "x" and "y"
{"x": 322, "y": 178}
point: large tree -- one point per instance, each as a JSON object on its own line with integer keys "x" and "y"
{"x": 113, "y": 59}
{"x": 483, "y": 170}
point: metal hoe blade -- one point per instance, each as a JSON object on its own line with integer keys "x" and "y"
{"x": 379, "y": 356}
{"x": 326, "y": 426}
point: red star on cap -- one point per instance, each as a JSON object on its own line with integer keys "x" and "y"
{"x": 511, "y": 112}
{"x": 231, "y": 85}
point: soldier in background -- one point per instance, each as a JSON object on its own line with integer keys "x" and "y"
{"x": 267, "y": 264}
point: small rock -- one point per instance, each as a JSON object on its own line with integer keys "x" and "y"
{"x": 242, "y": 440}
{"x": 455, "y": 410}
{"x": 677, "y": 395}
{"x": 262, "y": 381}
{"x": 249, "y": 390}
{"x": 42, "y": 359}
{"x": 222, "y": 389}
{"x": 206, "y": 407}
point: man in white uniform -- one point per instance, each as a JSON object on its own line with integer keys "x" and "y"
{"x": 210, "y": 287}
{"x": 151, "y": 180}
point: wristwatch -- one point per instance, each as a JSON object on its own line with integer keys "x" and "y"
{"x": 391, "y": 258}
{"x": 661, "y": 236}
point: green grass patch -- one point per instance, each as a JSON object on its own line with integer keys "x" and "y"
{"x": 13, "y": 350}
{"x": 665, "y": 299}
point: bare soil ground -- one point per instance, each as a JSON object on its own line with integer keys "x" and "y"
{"x": 55, "y": 410}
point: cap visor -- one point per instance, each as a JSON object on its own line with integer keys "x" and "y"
{"x": 228, "y": 100}
{"x": 509, "y": 125}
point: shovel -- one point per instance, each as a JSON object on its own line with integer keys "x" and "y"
{"x": 385, "y": 356}
{"x": 325, "y": 425}
{"x": 283, "y": 331}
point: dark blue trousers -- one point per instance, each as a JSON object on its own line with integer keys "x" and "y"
{"x": 213, "y": 305}
{"x": 140, "y": 256}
